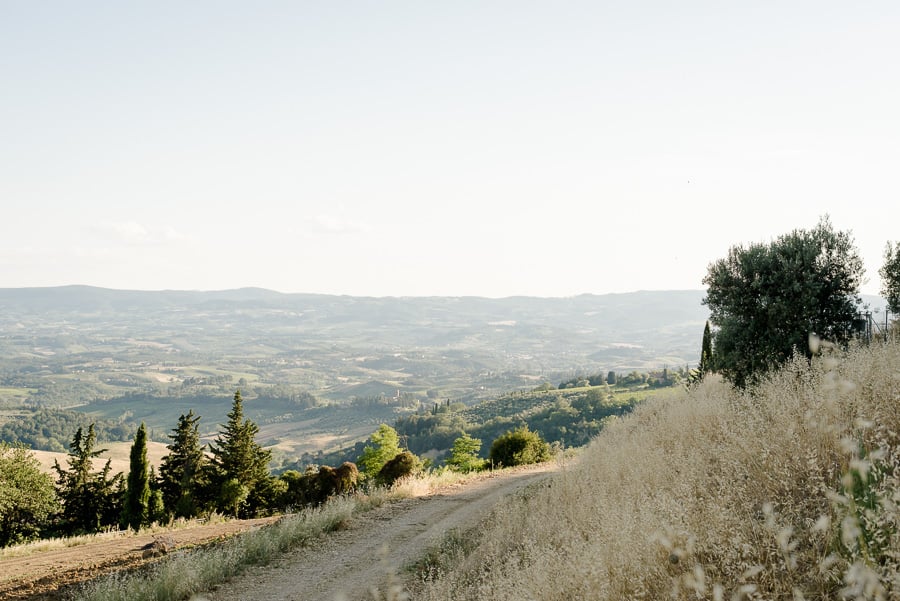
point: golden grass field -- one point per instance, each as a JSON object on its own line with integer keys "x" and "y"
{"x": 790, "y": 491}
{"x": 117, "y": 453}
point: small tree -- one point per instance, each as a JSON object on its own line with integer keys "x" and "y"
{"x": 27, "y": 497}
{"x": 706, "y": 351}
{"x": 385, "y": 446}
{"x": 183, "y": 478}
{"x": 156, "y": 508}
{"x": 519, "y": 447}
{"x": 90, "y": 499}
{"x": 137, "y": 490}
{"x": 464, "y": 454}
{"x": 611, "y": 378}
{"x": 237, "y": 457}
{"x": 890, "y": 277}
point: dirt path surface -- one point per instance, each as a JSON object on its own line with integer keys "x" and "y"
{"x": 46, "y": 574}
{"x": 345, "y": 564}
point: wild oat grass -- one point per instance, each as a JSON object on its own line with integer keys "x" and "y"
{"x": 789, "y": 491}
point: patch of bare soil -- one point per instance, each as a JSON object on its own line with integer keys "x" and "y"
{"x": 48, "y": 575}
{"x": 375, "y": 545}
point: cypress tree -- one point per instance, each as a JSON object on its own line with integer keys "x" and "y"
{"x": 137, "y": 491}
{"x": 706, "y": 352}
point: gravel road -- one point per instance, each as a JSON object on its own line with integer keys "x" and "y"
{"x": 345, "y": 564}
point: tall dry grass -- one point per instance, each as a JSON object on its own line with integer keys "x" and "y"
{"x": 786, "y": 492}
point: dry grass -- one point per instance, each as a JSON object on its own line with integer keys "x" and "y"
{"x": 117, "y": 452}
{"x": 181, "y": 575}
{"x": 789, "y": 492}
{"x": 49, "y": 544}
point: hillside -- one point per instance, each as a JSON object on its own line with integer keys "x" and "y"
{"x": 318, "y": 372}
{"x": 785, "y": 492}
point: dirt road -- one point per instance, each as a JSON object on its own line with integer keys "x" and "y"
{"x": 46, "y": 574}
{"x": 345, "y": 564}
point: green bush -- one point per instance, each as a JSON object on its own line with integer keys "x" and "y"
{"x": 314, "y": 487}
{"x": 519, "y": 447}
{"x": 464, "y": 455}
{"x": 404, "y": 464}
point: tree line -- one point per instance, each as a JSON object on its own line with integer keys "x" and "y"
{"x": 230, "y": 477}
{"x": 50, "y": 429}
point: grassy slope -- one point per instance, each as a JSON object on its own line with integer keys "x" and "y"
{"x": 715, "y": 495}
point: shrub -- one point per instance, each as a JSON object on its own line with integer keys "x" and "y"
{"x": 464, "y": 455}
{"x": 519, "y": 447}
{"x": 314, "y": 487}
{"x": 385, "y": 445}
{"x": 404, "y": 464}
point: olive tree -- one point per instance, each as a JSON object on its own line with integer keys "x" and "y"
{"x": 766, "y": 299}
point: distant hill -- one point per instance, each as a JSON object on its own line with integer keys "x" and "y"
{"x": 135, "y": 355}
{"x": 661, "y": 324}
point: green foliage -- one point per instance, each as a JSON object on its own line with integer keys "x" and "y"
{"x": 236, "y": 456}
{"x": 464, "y": 454}
{"x": 183, "y": 474}
{"x": 695, "y": 376}
{"x": 570, "y": 417}
{"x": 49, "y": 429}
{"x": 135, "y": 510}
{"x": 519, "y": 447}
{"x": 27, "y": 497}
{"x": 706, "y": 351}
{"x": 156, "y": 509}
{"x": 385, "y": 446}
{"x": 402, "y": 465}
{"x": 766, "y": 299}
{"x": 890, "y": 277}
{"x": 232, "y": 496}
{"x": 91, "y": 500}
{"x": 314, "y": 487}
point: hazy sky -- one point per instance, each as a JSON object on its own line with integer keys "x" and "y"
{"x": 437, "y": 148}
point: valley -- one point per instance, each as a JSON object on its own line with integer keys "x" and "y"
{"x": 318, "y": 372}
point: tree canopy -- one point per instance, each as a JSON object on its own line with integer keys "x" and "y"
{"x": 182, "y": 473}
{"x": 464, "y": 454}
{"x": 240, "y": 465}
{"x": 890, "y": 277}
{"x": 766, "y": 299}
{"x": 385, "y": 446}
{"x": 27, "y": 497}
{"x": 90, "y": 499}
{"x": 519, "y": 447}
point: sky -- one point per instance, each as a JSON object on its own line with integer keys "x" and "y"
{"x": 490, "y": 148}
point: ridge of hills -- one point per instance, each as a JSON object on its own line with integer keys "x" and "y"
{"x": 318, "y": 372}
